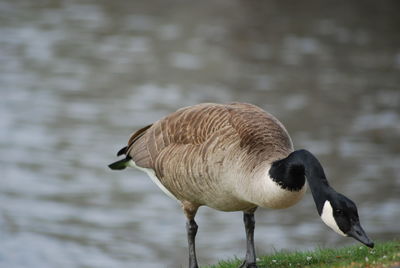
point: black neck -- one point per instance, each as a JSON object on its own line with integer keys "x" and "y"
{"x": 290, "y": 172}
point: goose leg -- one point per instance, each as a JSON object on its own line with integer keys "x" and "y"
{"x": 190, "y": 210}
{"x": 249, "y": 224}
{"x": 191, "y": 228}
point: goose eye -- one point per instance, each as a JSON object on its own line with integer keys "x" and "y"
{"x": 339, "y": 212}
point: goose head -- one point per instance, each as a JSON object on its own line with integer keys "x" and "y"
{"x": 340, "y": 214}
{"x": 336, "y": 210}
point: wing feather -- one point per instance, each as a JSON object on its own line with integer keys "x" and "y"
{"x": 259, "y": 133}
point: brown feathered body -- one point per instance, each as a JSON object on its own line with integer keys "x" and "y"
{"x": 216, "y": 155}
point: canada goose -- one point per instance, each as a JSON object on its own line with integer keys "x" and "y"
{"x": 234, "y": 157}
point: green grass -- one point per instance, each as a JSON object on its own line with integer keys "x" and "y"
{"x": 385, "y": 254}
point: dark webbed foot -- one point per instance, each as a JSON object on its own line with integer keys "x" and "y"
{"x": 248, "y": 265}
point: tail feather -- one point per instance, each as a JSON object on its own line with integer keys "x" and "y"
{"x": 122, "y": 151}
{"x": 120, "y": 164}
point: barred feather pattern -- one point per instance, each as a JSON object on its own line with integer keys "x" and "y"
{"x": 210, "y": 154}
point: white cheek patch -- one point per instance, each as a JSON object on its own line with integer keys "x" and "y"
{"x": 328, "y": 219}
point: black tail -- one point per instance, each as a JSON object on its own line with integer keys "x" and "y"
{"x": 120, "y": 164}
{"x": 122, "y": 151}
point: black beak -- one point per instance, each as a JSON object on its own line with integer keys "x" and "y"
{"x": 358, "y": 233}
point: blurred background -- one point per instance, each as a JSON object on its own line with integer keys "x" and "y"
{"x": 77, "y": 77}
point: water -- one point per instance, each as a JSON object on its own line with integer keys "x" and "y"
{"x": 77, "y": 77}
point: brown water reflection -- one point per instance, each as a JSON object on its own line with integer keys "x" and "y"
{"x": 76, "y": 77}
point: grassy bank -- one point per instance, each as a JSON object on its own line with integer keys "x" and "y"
{"x": 385, "y": 254}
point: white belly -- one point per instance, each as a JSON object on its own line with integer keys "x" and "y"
{"x": 150, "y": 172}
{"x": 264, "y": 192}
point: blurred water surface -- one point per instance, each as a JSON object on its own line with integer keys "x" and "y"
{"x": 77, "y": 77}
